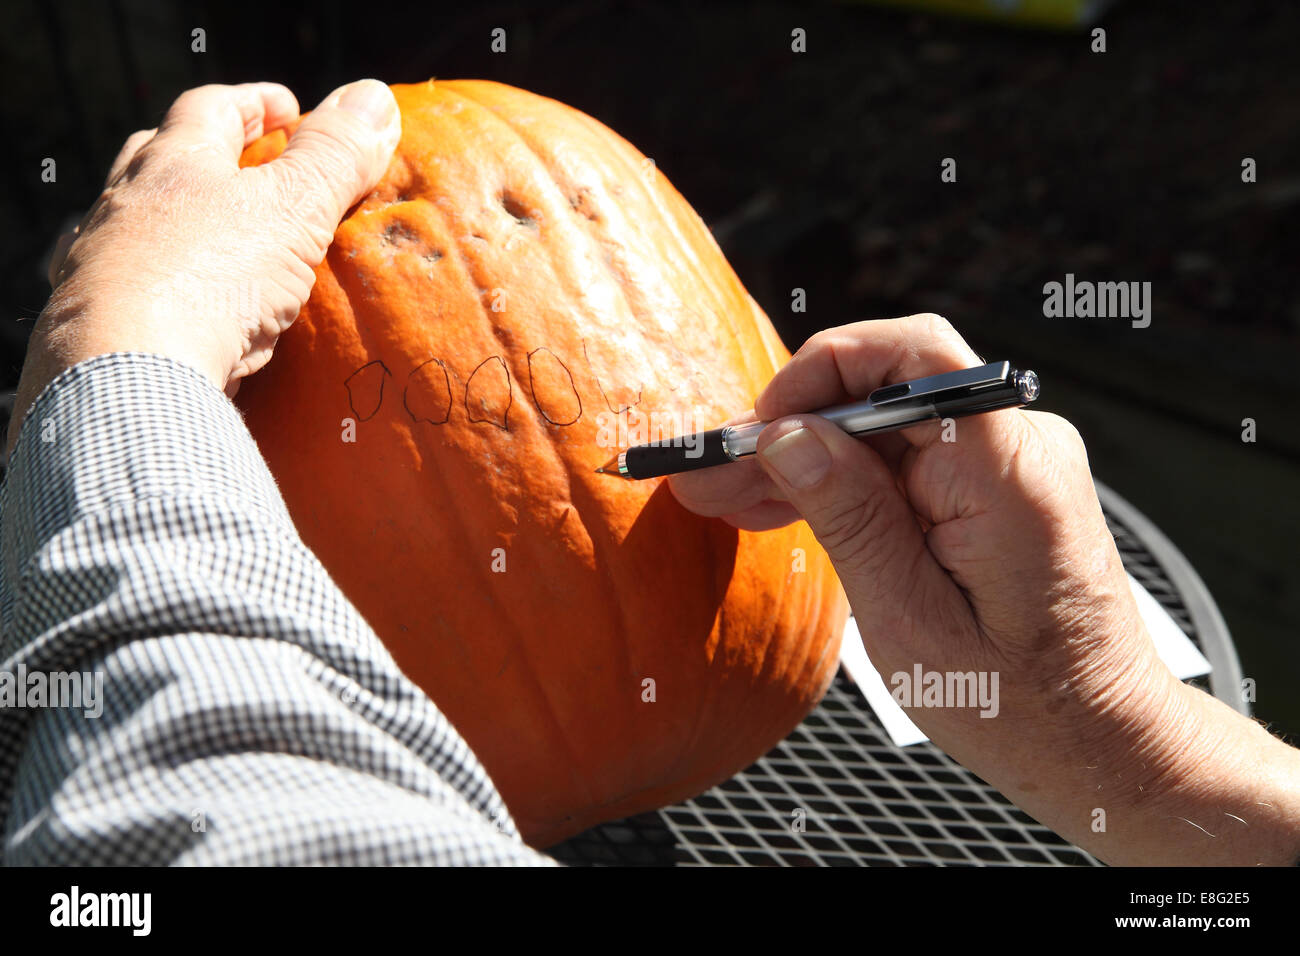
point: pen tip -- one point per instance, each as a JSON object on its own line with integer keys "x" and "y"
{"x": 610, "y": 467}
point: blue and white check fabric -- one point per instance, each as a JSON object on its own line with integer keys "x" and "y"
{"x": 249, "y": 713}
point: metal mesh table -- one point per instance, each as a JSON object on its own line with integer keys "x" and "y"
{"x": 867, "y": 802}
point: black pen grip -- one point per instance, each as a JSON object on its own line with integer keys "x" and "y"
{"x": 675, "y": 455}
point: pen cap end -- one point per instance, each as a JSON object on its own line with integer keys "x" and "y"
{"x": 1027, "y": 385}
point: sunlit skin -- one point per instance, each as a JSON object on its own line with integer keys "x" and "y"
{"x": 989, "y": 553}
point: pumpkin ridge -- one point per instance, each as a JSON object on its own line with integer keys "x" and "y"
{"x": 795, "y": 655}
{"x": 577, "y": 766}
{"x": 607, "y": 568}
{"x": 336, "y": 259}
{"x": 731, "y": 723}
{"x": 705, "y": 711}
{"x": 814, "y": 678}
{"x": 637, "y": 314}
{"x": 520, "y": 624}
{"x": 707, "y": 716}
{"x": 678, "y": 212}
{"x": 638, "y": 308}
{"x": 676, "y": 209}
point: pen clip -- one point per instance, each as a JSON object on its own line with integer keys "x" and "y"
{"x": 934, "y": 388}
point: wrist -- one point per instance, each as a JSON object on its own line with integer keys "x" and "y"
{"x": 1087, "y": 749}
{"x": 66, "y": 334}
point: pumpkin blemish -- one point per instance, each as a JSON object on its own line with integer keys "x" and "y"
{"x": 517, "y": 210}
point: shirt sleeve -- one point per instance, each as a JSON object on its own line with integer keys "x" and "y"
{"x": 181, "y": 682}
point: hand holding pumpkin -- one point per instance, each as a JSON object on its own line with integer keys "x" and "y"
{"x": 990, "y": 553}
{"x": 186, "y": 255}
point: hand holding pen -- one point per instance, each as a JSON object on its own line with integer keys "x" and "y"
{"x": 888, "y": 408}
{"x": 990, "y": 553}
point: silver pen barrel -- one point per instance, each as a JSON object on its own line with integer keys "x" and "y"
{"x": 859, "y": 418}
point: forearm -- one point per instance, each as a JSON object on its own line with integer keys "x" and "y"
{"x": 1158, "y": 773}
{"x": 1231, "y": 796}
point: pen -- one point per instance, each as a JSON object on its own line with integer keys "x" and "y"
{"x": 984, "y": 388}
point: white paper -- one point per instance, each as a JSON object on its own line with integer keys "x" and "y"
{"x": 1174, "y": 647}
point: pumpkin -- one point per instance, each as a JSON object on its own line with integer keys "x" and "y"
{"x": 521, "y": 295}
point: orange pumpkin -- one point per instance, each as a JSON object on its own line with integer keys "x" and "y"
{"x": 523, "y": 293}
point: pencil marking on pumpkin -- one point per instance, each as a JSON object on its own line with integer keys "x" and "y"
{"x": 532, "y": 387}
{"x": 603, "y": 393}
{"x": 488, "y": 401}
{"x": 439, "y": 392}
{"x": 373, "y": 379}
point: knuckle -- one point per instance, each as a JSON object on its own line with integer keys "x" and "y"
{"x": 1066, "y": 437}
{"x": 1059, "y": 462}
{"x": 940, "y": 330}
{"x": 191, "y": 99}
{"x": 813, "y": 343}
{"x": 937, "y": 325}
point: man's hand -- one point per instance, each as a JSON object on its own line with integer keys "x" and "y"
{"x": 990, "y": 553}
{"x": 186, "y": 255}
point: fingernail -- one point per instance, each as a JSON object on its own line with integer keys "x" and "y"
{"x": 370, "y": 100}
{"x": 799, "y": 457}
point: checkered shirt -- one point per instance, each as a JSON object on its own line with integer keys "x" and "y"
{"x": 249, "y": 713}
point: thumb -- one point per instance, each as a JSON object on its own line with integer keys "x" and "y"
{"x": 336, "y": 155}
{"x": 848, "y": 496}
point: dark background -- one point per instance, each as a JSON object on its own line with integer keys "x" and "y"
{"x": 821, "y": 171}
